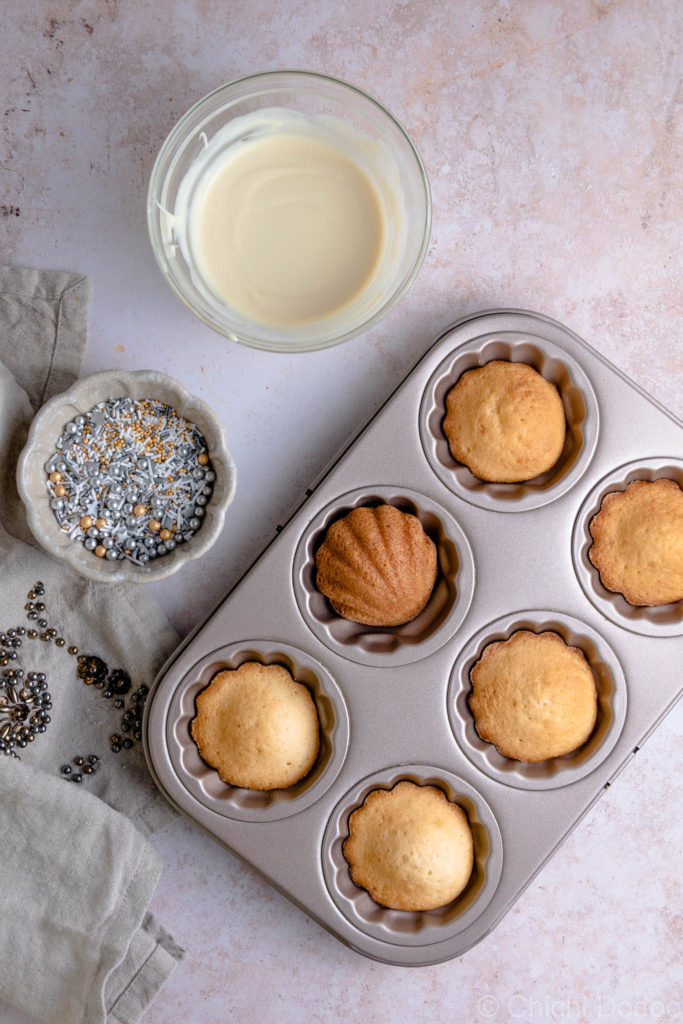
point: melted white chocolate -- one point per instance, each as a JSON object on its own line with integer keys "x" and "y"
{"x": 288, "y": 222}
{"x": 289, "y": 230}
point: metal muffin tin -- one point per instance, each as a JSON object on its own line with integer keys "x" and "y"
{"x": 393, "y": 702}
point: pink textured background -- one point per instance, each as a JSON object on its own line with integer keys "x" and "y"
{"x": 552, "y": 133}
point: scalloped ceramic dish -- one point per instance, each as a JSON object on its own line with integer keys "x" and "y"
{"x": 48, "y": 425}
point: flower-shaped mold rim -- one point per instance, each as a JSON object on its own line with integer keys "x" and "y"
{"x": 656, "y": 621}
{"x": 580, "y": 409}
{"x": 393, "y": 645}
{"x": 557, "y": 771}
{"x": 414, "y": 928}
{"x": 205, "y": 784}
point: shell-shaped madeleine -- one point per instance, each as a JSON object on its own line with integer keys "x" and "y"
{"x": 377, "y": 566}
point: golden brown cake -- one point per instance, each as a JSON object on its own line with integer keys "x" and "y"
{"x": 377, "y": 566}
{"x": 410, "y": 847}
{"x": 505, "y": 422}
{"x": 257, "y": 727}
{"x": 638, "y": 542}
{"x": 533, "y": 696}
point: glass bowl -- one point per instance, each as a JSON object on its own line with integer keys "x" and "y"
{"x": 397, "y": 174}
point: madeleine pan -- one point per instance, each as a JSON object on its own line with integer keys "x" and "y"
{"x": 393, "y": 702}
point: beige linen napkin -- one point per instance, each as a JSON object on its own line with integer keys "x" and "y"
{"x": 76, "y": 659}
{"x": 78, "y": 944}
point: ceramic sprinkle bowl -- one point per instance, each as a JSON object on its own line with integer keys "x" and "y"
{"x": 88, "y": 541}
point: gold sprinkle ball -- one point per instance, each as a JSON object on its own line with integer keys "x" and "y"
{"x": 86, "y": 522}
{"x": 100, "y": 551}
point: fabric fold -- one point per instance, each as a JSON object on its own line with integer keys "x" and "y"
{"x": 152, "y": 956}
{"x": 44, "y": 318}
{"x": 77, "y": 659}
{"x": 78, "y": 887}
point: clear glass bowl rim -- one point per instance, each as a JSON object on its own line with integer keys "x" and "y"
{"x": 177, "y": 132}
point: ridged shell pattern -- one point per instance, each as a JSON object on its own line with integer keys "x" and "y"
{"x": 377, "y": 566}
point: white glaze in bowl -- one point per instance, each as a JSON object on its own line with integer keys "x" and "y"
{"x": 253, "y": 106}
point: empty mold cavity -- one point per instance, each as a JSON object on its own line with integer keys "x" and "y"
{"x": 658, "y": 620}
{"x": 393, "y": 645}
{"x": 414, "y": 928}
{"x": 556, "y": 771}
{"x": 580, "y": 410}
{"x": 204, "y": 782}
